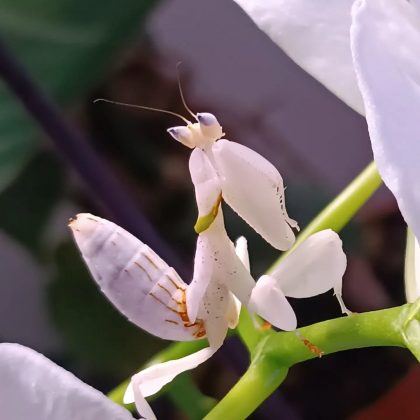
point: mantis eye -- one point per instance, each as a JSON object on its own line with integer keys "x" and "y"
{"x": 209, "y": 125}
{"x": 183, "y": 135}
{"x": 207, "y": 119}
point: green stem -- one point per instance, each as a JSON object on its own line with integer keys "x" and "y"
{"x": 277, "y": 352}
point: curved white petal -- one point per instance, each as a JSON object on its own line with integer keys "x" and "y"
{"x": 385, "y": 42}
{"x": 268, "y": 301}
{"x": 314, "y": 34}
{"x": 152, "y": 379}
{"x": 314, "y": 267}
{"x": 253, "y": 187}
{"x": 33, "y": 387}
{"x": 206, "y": 183}
{"x": 134, "y": 278}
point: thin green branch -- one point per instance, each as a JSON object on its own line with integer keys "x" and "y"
{"x": 278, "y": 352}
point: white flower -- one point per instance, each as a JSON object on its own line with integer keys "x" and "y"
{"x": 365, "y": 51}
{"x": 250, "y": 184}
{"x": 33, "y": 387}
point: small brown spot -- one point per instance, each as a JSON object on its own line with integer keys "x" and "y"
{"x": 265, "y": 326}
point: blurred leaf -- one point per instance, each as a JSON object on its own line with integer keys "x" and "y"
{"x": 95, "y": 334}
{"x": 188, "y": 398}
{"x": 28, "y": 202}
{"x": 65, "y": 45}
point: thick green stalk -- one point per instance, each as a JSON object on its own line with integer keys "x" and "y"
{"x": 276, "y": 353}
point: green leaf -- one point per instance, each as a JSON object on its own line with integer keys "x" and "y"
{"x": 66, "y": 45}
{"x": 188, "y": 398}
{"x": 96, "y": 335}
{"x": 28, "y": 202}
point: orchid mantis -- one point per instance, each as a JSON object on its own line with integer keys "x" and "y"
{"x": 152, "y": 295}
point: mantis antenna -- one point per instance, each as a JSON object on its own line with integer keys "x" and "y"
{"x": 148, "y": 108}
{"x": 181, "y": 92}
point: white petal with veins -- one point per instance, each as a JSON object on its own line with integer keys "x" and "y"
{"x": 134, "y": 278}
{"x": 33, "y": 387}
{"x": 385, "y": 43}
{"x": 253, "y": 187}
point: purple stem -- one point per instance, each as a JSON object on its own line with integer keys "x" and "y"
{"x": 75, "y": 146}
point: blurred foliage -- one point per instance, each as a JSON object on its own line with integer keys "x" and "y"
{"x": 28, "y": 202}
{"x": 65, "y": 45}
{"x": 95, "y": 333}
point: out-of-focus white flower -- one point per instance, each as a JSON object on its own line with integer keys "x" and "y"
{"x": 33, "y": 387}
{"x": 250, "y": 184}
{"x": 316, "y": 35}
{"x": 362, "y": 49}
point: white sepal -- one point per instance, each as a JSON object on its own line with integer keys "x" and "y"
{"x": 134, "y": 278}
{"x": 33, "y": 387}
{"x": 268, "y": 301}
{"x": 385, "y": 38}
{"x": 314, "y": 267}
{"x": 314, "y": 34}
{"x": 253, "y": 187}
{"x": 152, "y": 379}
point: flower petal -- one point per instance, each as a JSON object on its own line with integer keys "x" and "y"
{"x": 133, "y": 277}
{"x": 207, "y": 189}
{"x": 385, "y": 43}
{"x": 268, "y": 301}
{"x": 314, "y": 34}
{"x": 33, "y": 387}
{"x": 253, "y": 187}
{"x": 152, "y": 379}
{"x": 314, "y": 267}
